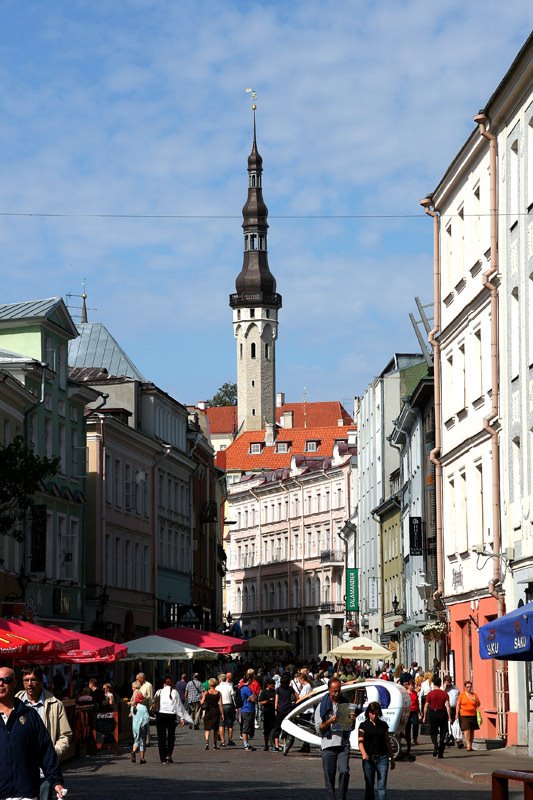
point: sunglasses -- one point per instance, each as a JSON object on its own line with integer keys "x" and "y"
{"x": 5, "y": 680}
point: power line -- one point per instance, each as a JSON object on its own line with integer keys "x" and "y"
{"x": 61, "y": 215}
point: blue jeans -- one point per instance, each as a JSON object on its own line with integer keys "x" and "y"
{"x": 376, "y": 766}
{"x": 336, "y": 762}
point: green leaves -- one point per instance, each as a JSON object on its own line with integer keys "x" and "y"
{"x": 21, "y": 471}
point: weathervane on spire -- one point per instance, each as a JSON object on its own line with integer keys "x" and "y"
{"x": 254, "y": 97}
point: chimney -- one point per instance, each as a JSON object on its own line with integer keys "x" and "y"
{"x": 202, "y": 405}
{"x": 280, "y": 399}
{"x": 269, "y": 434}
{"x": 288, "y": 419}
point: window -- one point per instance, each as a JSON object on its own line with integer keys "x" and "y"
{"x": 147, "y": 567}
{"x": 127, "y": 487}
{"x": 48, "y": 444}
{"x": 117, "y": 483}
{"x": 108, "y": 567}
{"x": 67, "y": 539}
{"x": 267, "y": 351}
{"x": 252, "y": 313}
{"x": 311, "y": 446}
{"x": 255, "y": 448}
{"x": 252, "y": 350}
{"x": 282, "y": 447}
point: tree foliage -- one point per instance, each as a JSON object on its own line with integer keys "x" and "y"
{"x": 21, "y": 471}
{"x": 226, "y": 395}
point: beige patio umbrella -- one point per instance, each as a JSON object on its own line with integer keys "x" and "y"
{"x": 361, "y": 647}
{"x": 264, "y": 642}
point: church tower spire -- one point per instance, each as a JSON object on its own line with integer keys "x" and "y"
{"x": 255, "y": 305}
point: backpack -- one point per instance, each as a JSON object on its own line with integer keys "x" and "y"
{"x": 237, "y": 698}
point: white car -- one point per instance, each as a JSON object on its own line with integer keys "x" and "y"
{"x": 393, "y": 698}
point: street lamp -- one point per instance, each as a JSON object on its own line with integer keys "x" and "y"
{"x": 395, "y": 604}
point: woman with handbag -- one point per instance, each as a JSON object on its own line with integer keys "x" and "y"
{"x": 169, "y": 711}
{"x": 467, "y": 706}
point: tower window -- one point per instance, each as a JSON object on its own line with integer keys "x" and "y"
{"x": 252, "y": 350}
{"x": 246, "y": 242}
{"x": 267, "y": 313}
{"x": 252, "y": 180}
{"x": 252, "y": 313}
{"x": 253, "y": 241}
{"x": 240, "y": 350}
{"x": 253, "y": 412}
{"x": 267, "y": 351}
{"x": 238, "y": 313}
{"x": 253, "y": 383}
{"x": 261, "y": 242}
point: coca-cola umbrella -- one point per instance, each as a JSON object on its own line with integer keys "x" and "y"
{"x": 91, "y": 649}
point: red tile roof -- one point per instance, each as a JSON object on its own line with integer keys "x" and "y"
{"x": 223, "y": 419}
{"x": 237, "y": 455}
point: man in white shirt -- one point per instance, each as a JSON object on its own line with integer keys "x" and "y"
{"x": 453, "y": 694}
{"x": 225, "y": 687}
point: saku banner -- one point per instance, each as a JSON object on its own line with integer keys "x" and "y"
{"x": 509, "y": 637}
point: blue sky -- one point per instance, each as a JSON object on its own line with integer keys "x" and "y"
{"x": 138, "y": 107}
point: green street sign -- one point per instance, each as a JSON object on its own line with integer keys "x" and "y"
{"x": 352, "y": 589}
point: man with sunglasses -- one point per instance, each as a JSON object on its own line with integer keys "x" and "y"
{"x": 51, "y": 711}
{"x": 25, "y": 746}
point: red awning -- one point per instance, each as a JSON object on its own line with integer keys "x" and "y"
{"x": 54, "y": 644}
{"x": 91, "y": 649}
{"x": 13, "y": 645}
{"x": 45, "y": 642}
{"x": 211, "y": 641}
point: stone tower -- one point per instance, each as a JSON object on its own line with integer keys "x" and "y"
{"x": 255, "y": 307}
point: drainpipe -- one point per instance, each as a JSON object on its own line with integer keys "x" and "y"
{"x": 482, "y": 121}
{"x": 434, "y": 456}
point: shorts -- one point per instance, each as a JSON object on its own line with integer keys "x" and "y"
{"x": 229, "y": 716}
{"x": 248, "y": 722}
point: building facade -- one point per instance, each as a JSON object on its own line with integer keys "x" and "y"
{"x": 285, "y": 557}
{"x": 482, "y": 406}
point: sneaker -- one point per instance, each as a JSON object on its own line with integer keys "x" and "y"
{"x": 230, "y": 743}
{"x": 275, "y": 749}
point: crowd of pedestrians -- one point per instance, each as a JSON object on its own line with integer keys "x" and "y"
{"x": 233, "y": 705}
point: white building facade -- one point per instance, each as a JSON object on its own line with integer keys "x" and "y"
{"x": 286, "y": 560}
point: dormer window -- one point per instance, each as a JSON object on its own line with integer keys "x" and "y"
{"x": 282, "y": 447}
{"x": 311, "y": 446}
{"x": 256, "y": 448}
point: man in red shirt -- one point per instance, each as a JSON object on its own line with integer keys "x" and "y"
{"x": 439, "y": 706}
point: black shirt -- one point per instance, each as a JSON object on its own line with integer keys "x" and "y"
{"x": 374, "y": 737}
{"x": 268, "y": 708}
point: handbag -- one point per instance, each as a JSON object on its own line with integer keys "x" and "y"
{"x": 479, "y": 717}
{"x": 154, "y": 705}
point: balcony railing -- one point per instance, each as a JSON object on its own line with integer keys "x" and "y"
{"x": 335, "y": 556}
{"x": 337, "y": 607}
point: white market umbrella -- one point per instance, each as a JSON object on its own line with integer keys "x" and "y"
{"x": 159, "y": 648}
{"x": 360, "y": 648}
